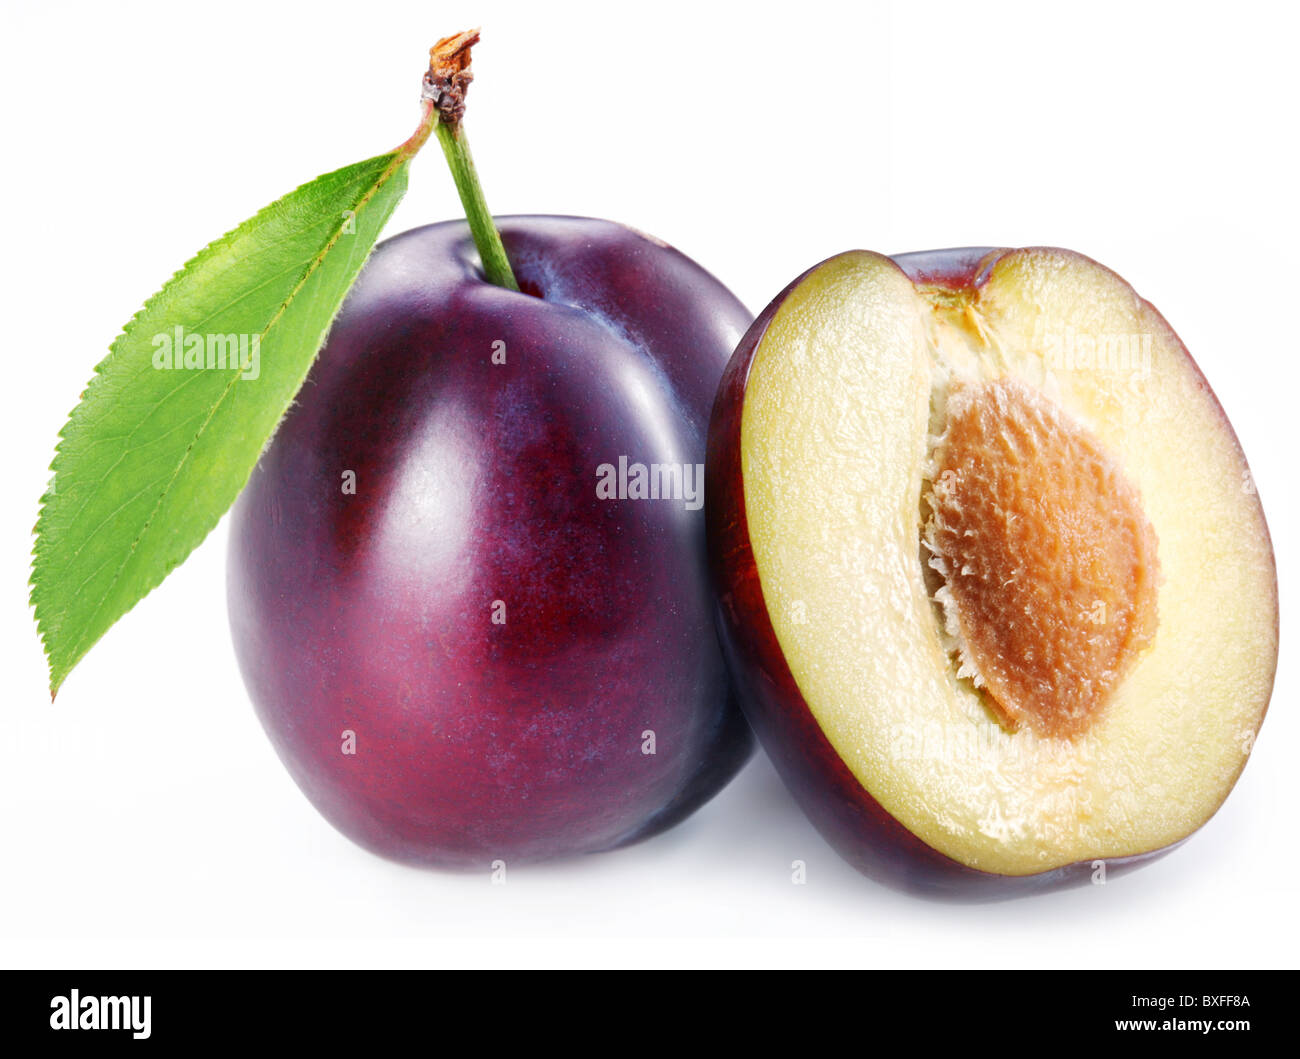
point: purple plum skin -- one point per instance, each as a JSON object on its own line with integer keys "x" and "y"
{"x": 475, "y": 482}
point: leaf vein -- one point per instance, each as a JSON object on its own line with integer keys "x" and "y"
{"x": 313, "y": 267}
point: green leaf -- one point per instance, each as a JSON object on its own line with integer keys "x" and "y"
{"x": 154, "y": 455}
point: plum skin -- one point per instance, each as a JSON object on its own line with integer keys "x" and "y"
{"x": 857, "y": 826}
{"x": 475, "y": 499}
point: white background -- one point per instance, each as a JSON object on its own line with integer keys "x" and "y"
{"x": 144, "y": 819}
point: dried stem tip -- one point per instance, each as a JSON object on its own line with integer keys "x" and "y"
{"x": 449, "y": 76}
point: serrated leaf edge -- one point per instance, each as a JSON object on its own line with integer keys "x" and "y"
{"x": 398, "y": 159}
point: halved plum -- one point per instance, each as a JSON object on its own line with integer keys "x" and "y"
{"x": 993, "y": 574}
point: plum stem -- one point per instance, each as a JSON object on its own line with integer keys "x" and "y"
{"x": 445, "y": 86}
{"x": 496, "y": 266}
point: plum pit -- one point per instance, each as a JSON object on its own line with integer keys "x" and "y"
{"x": 1047, "y": 559}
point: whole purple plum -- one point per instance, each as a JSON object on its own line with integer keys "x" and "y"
{"x": 471, "y": 630}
